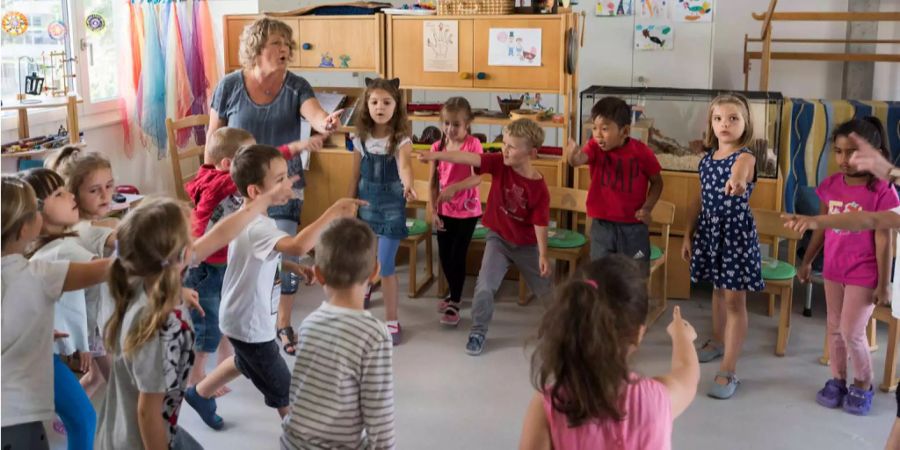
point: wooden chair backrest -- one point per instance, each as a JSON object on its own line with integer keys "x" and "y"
{"x": 769, "y": 224}
{"x": 176, "y": 156}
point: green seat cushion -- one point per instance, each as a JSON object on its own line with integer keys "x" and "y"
{"x": 655, "y": 253}
{"x": 480, "y": 231}
{"x": 774, "y": 269}
{"x": 416, "y": 226}
{"x": 562, "y": 238}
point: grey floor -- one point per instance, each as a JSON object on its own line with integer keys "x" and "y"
{"x": 446, "y": 399}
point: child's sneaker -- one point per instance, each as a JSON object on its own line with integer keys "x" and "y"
{"x": 858, "y": 402}
{"x": 394, "y": 329}
{"x": 58, "y": 426}
{"x": 205, "y": 407}
{"x": 442, "y": 306}
{"x": 367, "y": 300}
{"x": 832, "y": 395}
{"x": 710, "y": 351}
{"x": 475, "y": 346}
{"x": 451, "y": 314}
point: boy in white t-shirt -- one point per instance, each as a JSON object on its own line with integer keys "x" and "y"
{"x": 249, "y": 291}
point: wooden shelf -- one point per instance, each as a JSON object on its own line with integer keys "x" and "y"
{"x": 45, "y": 102}
{"x": 486, "y": 121}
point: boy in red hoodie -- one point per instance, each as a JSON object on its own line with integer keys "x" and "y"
{"x": 214, "y": 196}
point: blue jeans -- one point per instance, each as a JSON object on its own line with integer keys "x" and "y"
{"x": 73, "y": 407}
{"x": 207, "y": 280}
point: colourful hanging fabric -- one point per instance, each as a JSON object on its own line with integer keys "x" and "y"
{"x": 178, "y": 88}
{"x": 153, "y": 83}
{"x": 173, "y": 69}
{"x": 208, "y": 47}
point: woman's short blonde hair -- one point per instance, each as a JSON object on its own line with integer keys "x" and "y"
{"x": 255, "y": 36}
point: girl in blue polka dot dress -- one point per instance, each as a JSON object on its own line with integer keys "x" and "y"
{"x": 722, "y": 245}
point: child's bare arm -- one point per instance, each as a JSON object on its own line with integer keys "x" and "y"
{"x": 536, "y": 429}
{"x": 883, "y": 248}
{"x": 150, "y": 422}
{"x": 354, "y": 176}
{"x": 450, "y": 191}
{"x": 469, "y": 159}
{"x": 86, "y": 274}
{"x": 305, "y": 240}
{"x": 741, "y": 174}
{"x": 653, "y": 192}
{"x": 682, "y": 379}
{"x": 851, "y": 221}
{"x": 404, "y": 167}
{"x": 542, "y": 238}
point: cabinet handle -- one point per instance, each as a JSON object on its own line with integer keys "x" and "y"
{"x": 307, "y": 46}
{"x": 481, "y": 75}
{"x": 465, "y": 75}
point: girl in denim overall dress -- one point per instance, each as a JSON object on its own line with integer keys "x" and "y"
{"x": 382, "y": 175}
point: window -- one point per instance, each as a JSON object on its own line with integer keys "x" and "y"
{"x": 96, "y": 67}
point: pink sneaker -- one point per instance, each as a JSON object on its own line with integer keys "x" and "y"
{"x": 451, "y": 314}
{"x": 442, "y": 306}
{"x": 394, "y": 329}
{"x": 58, "y": 427}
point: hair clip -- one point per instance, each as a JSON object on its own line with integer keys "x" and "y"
{"x": 591, "y": 283}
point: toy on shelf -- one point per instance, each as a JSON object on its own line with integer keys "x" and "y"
{"x": 40, "y": 143}
{"x": 61, "y": 77}
{"x": 30, "y": 84}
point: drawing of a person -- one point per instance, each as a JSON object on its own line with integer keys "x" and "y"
{"x": 510, "y": 45}
{"x": 519, "y": 48}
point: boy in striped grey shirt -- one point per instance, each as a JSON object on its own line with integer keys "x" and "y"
{"x": 342, "y": 387}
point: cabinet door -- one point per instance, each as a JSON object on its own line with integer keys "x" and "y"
{"x": 546, "y": 77}
{"x": 234, "y": 27}
{"x": 406, "y": 57}
{"x": 334, "y": 37}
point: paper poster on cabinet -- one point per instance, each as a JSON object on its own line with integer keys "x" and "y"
{"x": 440, "y": 39}
{"x": 514, "y": 47}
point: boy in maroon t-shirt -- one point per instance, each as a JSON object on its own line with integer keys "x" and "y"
{"x": 214, "y": 196}
{"x": 517, "y": 214}
{"x": 621, "y": 167}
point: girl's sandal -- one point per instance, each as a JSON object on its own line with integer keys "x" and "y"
{"x": 289, "y": 347}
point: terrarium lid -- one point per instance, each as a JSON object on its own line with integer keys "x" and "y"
{"x": 649, "y": 91}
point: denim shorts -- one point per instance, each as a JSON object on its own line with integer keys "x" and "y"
{"x": 262, "y": 363}
{"x": 207, "y": 280}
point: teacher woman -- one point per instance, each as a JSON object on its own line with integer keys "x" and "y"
{"x": 269, "y": 101}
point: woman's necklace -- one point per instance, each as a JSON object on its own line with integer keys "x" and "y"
{"x": 267, "y": 90}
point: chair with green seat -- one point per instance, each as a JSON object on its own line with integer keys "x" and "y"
{"x": 662, "y": 217}
{"x": 419, "y": 233}
{"x": 778, "y": 275}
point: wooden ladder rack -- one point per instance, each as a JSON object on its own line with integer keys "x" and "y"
{"x": 766, "y": 55}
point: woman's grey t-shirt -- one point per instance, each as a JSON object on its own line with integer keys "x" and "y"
{"x": 276, "y": 123}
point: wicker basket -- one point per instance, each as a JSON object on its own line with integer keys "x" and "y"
{"x": 475, "y": 7}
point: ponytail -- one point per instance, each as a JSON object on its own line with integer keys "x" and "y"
{"x": 121, "y": 291}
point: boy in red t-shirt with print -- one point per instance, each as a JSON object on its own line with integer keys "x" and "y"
{"x": 621, "y": 167}
{"x": 517, "y": 214}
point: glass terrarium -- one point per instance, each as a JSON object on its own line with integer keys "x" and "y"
{"x": 672, "y": 122}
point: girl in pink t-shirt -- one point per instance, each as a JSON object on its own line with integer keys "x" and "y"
{"x": 587, "y": 397}
{"x": 457, "y": 204}
{"x": 857, "y": 269}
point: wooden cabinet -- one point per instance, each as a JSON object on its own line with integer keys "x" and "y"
{"x": 405, "y": 54}
{"x": 322, "y": 42}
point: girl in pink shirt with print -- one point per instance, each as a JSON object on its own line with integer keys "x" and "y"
{"x": 457, "y": 201}
{"x": 587, "y": 397}
{"x": 857, "y": 268}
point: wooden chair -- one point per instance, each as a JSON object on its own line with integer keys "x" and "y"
{"x": 568, "y": 200}
{"x": 419, "y": 235}
{"x": 663, "y": 216}
{"x": 177, "y": 156}
{"x": 778, "y": 275}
